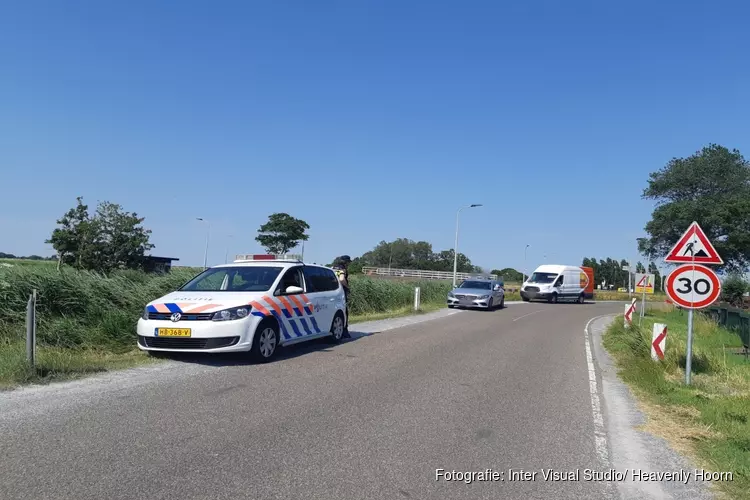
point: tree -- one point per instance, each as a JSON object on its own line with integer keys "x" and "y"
{"x": 733, "y": 289}
{"x": 508, "y": 274}
{"x": 652, "y": 269}
{"x": 640, "y": 268}
{"x": 712, "y": 187}
{"x": 281, "y": 233}
{"x": 121, "y": 241}
{"x": 111, "y": 239}
{"x": 403, "y": 253}
{"x": 73, "y": 241}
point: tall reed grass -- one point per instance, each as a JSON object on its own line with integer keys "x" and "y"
{"x": 85, "y": 309}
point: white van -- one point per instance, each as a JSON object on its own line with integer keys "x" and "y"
{"x": 554, "y": 282}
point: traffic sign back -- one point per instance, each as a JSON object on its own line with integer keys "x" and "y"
{"x": 693, "y": 286}
{"x": 644, "y": 283}
{"x": 693, "y": 246}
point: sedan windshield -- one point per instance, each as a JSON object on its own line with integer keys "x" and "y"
{"x": 543, "y": 277}
{"x": 233, "y": 279}
{"x": 481, "y": 285}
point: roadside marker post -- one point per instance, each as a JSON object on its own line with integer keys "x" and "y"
{"x": 31, "y": 330}
{"x": 700, "y": 286}
{"x": 629, "y": 310}
{"x": 416, "y": 298}
{"x": 658, "y": 341}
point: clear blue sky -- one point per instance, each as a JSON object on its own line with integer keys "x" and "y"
{"x": 371, "y": 120}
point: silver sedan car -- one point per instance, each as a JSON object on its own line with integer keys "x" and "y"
{"x": 479, "y": 294}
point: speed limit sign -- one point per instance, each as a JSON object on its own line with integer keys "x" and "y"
{"x": 693, "y": 286}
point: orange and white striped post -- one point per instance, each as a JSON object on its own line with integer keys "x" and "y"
{"x": 629, "y": 311}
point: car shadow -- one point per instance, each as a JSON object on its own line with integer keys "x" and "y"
{"x": 243, "y": 358}
{"x": 479, "y": 310}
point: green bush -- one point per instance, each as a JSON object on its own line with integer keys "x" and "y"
{"x": 733, "y": 289}
{"x": 89, "y": 310}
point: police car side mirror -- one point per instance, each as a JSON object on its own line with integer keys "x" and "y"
{"x": 294, "y": 289}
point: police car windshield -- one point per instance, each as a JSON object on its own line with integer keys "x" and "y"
{"x": 481, "y": 285}
{"x": 542, "y": 277}
{"x": 234, "y": 279}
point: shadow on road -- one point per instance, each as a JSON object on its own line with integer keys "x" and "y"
{"x": 243, "y": 358}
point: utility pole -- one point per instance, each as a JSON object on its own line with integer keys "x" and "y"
{"x": 455, "y": 248}
{"x": 208, "y": 232}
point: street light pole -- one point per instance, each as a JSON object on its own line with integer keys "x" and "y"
{"x": 208, "y": 232}
{"x": 455, "y": 249}
{"x": 524, "y": 264}
{"x": 226, "y": 254}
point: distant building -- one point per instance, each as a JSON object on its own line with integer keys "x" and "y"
{"x": 155, "y": 264}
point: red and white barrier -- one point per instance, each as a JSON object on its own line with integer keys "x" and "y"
{"x": 658, "y": 341}
{"x": 629, "y": 311}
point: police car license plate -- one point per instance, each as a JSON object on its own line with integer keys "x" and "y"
{"x": 172, "y": 332}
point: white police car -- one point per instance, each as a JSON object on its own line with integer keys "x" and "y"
{"x": 248, "y": 305}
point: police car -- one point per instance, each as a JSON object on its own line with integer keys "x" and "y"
{"x": 248, "y": 305}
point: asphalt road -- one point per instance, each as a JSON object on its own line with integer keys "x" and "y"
{"x": 369, "y": 419}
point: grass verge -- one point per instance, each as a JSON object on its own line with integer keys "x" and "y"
{"x": 708, "y": 420}
{"x": 59, "y": 363}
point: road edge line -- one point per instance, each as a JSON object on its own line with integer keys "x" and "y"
{"x": 600, "y": 432}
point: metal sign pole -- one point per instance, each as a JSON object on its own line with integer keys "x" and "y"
{"x": 689, "y": 360}
{"x": 643, "y": 304}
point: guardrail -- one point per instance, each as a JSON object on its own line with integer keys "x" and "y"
{"x": 420, "y": 273}
{"x": 733, "y": 318}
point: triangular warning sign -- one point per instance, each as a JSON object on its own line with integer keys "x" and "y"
{"x": 693, "y": 246}
{"x": 643, "y": 282}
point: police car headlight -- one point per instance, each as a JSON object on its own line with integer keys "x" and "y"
{"x": 233, "y": 313}
{"x": 144, "y": 314}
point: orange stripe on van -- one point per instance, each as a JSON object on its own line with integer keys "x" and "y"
{"x": 201, "y": 308}
{"x": 309, "y": 308}
{"x": 162, "y": 308}
{"x": 287, "y": 305}
{"x": 275, "y": 306}
{"x": 302, "y": 308}
{"x": 258, "y": 306}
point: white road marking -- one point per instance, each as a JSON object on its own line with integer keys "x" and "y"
{"x": 600, "y": 434}
{"x": 525, "y": 315}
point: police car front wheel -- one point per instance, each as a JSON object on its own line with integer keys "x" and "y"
{"x": 266, "y": 342}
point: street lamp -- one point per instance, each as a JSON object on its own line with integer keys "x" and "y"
{"x": 524, "y": 264}
{"x": 208, "y": 231}
{"x": 226, "y": 254}
{"x": 455, "y": 249}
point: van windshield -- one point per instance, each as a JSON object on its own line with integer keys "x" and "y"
{"x": 233, "y": 279}
{"x": 543, "y": 277}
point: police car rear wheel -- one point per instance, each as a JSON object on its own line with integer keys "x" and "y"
{"x": 337, "y": 327}
{"x": 266, "y": 342}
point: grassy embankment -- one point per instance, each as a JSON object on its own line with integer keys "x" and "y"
{"x": 708, "y": 420}
{"x": 86, "y": 322}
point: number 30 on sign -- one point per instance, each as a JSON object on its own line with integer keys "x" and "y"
{"x": 693, "y": 286}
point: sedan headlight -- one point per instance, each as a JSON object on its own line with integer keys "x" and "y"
{"x": 484, "y": 297}
{"x": 450, "y": 294}
{"x": 233, "y": 313}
